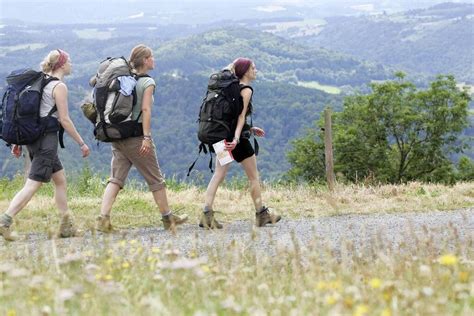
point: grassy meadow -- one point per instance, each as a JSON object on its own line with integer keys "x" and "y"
{"x": 125, "y": 277}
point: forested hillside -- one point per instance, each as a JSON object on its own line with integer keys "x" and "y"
{"x": 434, "y": 40}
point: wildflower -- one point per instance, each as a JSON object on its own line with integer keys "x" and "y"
{"x": 448, "y": 260}
{"x": 122, "y": 243}
{"x": 321, "y": 285}
{"x": 386, "y": 312}
{"x": 361, "y": 310}
{"x": 109, "y": 261}
{"x": 133, "y": 242}
{"x": 205, "y": 268}
{"x": 375, "y": 283}
{"x": 125, "y": 265}
{"x": 331, "y": 299}
{"x": 108, "y": 277}
{"x": 155, "y": 250}
{"x": 464, "y": 276}
{"x": 11, "y": 312}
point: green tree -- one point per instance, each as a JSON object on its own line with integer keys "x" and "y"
{"x": 395, "y": 134}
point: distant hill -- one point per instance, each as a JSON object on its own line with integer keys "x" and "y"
{"x": 435, "y": 40}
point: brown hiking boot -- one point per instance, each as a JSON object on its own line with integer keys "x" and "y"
{"x": 104, "y": 225}
{"x": 208, "y": 221}
{"x": 265, "y": 217}
{"x": 67, "y": 228}
{"x": 7, "y": 234}
{"x": 171, "y": 221}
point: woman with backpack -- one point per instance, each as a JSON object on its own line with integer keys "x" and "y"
{"x": 242, "y": 152}
{"x": 138, "y": 151}
{"x": 45, "y": 164}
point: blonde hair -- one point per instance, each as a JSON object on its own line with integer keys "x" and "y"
{"x": 50, "y": 61}
{"x": 138, "y": 55}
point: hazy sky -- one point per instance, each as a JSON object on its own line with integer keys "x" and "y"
{"x": 192, "y": 11}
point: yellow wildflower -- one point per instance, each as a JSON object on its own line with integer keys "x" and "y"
{"x": 361, "y": 310}
{"x": 321, "y": 285}
{"x": 108, "y": 277}
{"x": 155, "y": 250}
{"x": 11, "y": 312}
{"x": 125, "y": 265}
{"x": 206, "y": 268}
{"x": 375, "y": 283}
{"x": 448, "y": 260}
{"x": 133, "y": 242}
{"x": 464, "y": 276}
{"x": 109, "y": 261}
{"x": 331, "y": 299}
{"x": 123, "y": 243}
{"x": 386, "y": 312}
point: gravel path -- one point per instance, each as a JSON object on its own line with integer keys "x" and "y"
{"x": 360, "y": 233}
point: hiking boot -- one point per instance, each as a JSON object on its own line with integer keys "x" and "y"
{"x": 208, "y": 221}
{"x": 7, "y": 234}
{"x": 171, "y": 221}
{"x": 67, "y": 228}
{"x": 104, "y": 225}
{"x": 266, "y": 217}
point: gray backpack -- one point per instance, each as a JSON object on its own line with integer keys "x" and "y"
{"x": 114, "y": 99}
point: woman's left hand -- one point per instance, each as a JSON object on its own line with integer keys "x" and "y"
{"x": 258, "y": 131}
{"x": 147, "y": 146}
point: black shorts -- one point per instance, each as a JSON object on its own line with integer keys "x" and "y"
{"x": 243, "y": 150}
{"x": 44, "y": 158}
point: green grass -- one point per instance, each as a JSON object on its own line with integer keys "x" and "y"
{"x": 124, "y": 277}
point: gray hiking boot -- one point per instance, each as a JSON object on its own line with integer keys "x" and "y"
{"x": 7, "y": 234}
{"x": 208, "y": 221}
{"x": 5, "y": 223}
{"x": 104, "y": 225}
{"x": 171, "y": 221}
{"x": 265, "y": 217}
{"x": 67, "y": 228}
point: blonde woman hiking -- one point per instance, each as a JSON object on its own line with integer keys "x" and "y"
{"x": 45, "y": 163}
{"x": 138, "y": 151}
{"x": 242, "y": 152}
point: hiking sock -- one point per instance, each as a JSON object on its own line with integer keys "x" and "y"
{"x": 6, "y": 220}
{"x": 207, "y": 209}
{"x": 262, "y": 209}
{"x": 166, "y": 214}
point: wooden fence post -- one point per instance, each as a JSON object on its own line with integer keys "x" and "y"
{"x": 328, "y": 149}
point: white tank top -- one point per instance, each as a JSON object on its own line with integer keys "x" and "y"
{"x": 47, "y": 100}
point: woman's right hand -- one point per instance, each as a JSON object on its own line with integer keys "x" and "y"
{"x": 16, "y": 151}
{"x": 85, "y": 150}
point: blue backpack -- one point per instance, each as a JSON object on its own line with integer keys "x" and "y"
{"x": 20, "y": 121}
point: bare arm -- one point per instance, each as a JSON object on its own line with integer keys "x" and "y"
{"x": 147, "y": 103}
{"x": 246, "y": 95}
{"x": 60, "y": 97}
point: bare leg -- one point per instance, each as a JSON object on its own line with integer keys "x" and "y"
{"x": 60, "y": 191}
{"x": 23, "y": 197}
{"x": 250, "y": 167}
{"x": 216, "y": 180}
{"x": 108, "y": 199}
{"x": 162, "y": 200}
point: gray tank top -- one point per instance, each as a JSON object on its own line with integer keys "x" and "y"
{"x": 47, "y": 100}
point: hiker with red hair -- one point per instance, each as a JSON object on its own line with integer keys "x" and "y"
{"x": 242, "y": 152}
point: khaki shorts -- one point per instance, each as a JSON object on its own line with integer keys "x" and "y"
{"x": 125, "y": 153}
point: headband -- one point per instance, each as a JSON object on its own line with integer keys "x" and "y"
{"x": 62, "y": 59}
